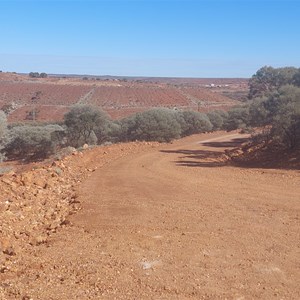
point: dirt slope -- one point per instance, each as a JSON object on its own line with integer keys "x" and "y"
{"x": 175, "y": 222}
{"x": 51, "y": 98}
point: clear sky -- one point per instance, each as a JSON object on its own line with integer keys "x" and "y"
{"x": 171, "y": 38}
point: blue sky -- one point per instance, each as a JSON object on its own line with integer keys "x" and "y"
{"x": 149, "y": 38}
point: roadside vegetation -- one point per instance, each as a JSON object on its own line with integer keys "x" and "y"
{"x": 90, "y": 125}
{"x": 3, "y": 129}
{"x": 273, "y": 105}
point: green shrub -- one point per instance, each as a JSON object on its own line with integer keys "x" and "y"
{"x": 268, "y": 79}
{"x": 85, "y": 125}
{"x": 193, "y": 122}
{"x": 157, "y": 124}
{"x": 281, "y": 112}
{"x": 3, "y": 124}
{"x": 216, "y": 120}
{"x": 238, "y": 118}
{"x": 3, "y": 130}
{"x": 32, "y": 142}
{"x": 284, "y": 113}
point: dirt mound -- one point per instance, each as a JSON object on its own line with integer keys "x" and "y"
{"x": 265, "y": 155}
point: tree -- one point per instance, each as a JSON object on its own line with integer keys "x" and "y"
{"x": 127, "y": 128}
{"x": 258, "y": 113}
{"x": 268, "y": 79}
{"x": 238, "y": 118}
{"x": 195, "y": 122}
{"x": 43, "y": 75}
{"x": 216, "y": 120}
{"x": 82, "y": 122}
{"x": 34, "y": 74}
{"x": 157, "y": 124}
{"x": 280, "y": 111}
{"x": 287, "y": 129}
{"x": 296, "y": 78}
{"x": 38, "y": 75}
{"x": 113, "y": 132}
{"x": 106, "y": 130}
{"x": 284, "y": 115}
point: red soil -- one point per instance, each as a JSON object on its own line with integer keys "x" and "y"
{"x": 169, "y": 221}
{"x": 52, "y": 97}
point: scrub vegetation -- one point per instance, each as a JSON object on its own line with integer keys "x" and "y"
{"x": 273, "y": 104}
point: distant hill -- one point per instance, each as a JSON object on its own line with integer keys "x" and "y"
{"x": 51, "y": 97}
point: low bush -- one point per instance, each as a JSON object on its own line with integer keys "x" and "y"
{"x": 217, "y": 119}
{"x": 158, "y": 124}
{"x": 32, "y": 142}
{"x": 3, "y": 124}
{"x": 238, "y": 118}
{"x": 194, "y": 122}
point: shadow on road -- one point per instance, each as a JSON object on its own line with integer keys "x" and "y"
{"x": 206, "y": 158}
{"x": 228, "y": 144}
{"x": 198, "y": 158}
{"x": 188, "y": 163}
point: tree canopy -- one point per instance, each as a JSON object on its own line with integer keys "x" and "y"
{"x": 82, "y": 121}
{"x": 38, "y": 75}
{"x": 157, "y": 124}
{"x": 268, "y": 79}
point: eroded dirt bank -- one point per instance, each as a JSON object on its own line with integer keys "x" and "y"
{"x": 169, "y": 222}
{"x": 36, "y": 201}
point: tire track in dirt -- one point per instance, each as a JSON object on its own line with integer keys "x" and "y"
{"x": 209, "y": 230}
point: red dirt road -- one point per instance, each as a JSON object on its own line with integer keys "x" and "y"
{"x": 177, "y": 223}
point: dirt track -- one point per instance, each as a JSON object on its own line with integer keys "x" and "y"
{"x": 177, "y": 223}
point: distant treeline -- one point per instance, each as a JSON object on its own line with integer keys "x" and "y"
{"x": 38, "y": 75}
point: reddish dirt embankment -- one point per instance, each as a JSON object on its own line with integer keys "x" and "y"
{"x": 171, "y": 222}
{"x": 35, "y": 203}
